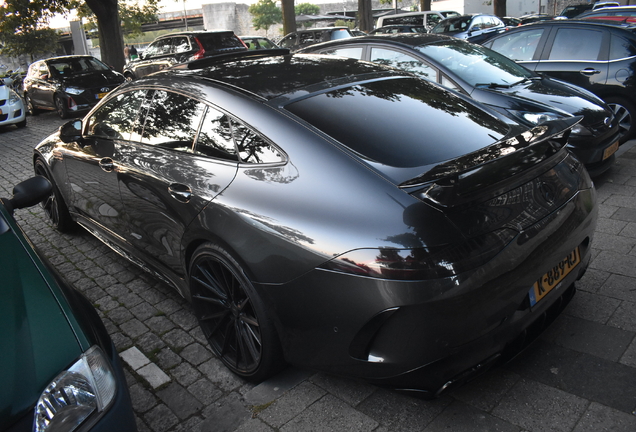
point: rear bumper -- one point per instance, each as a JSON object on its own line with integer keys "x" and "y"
{"x": 427, "y": 336}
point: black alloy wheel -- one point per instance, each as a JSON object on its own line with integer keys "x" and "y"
{"x": 232, "y": 316}
{"x": 61, "y": 108}
{"x": 31, "y": 109}
{"x": 625, "y": 113}
{"x": 54, "y": 206}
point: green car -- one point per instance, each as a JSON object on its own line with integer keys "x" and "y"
{"x": 59, "y": 370}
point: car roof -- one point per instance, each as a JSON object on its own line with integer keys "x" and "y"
{"x": 573, "y": 22}
{"x": 286, "y": 74}
{"x": 67, "y": 57}
{"x": 409, "y": 39}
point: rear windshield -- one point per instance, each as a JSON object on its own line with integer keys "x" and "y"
{"x": 404, "y": 122}
{"x": 220, "y": 41}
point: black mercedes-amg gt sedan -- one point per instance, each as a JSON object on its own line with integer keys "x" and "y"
{"x": 332, "y": 213}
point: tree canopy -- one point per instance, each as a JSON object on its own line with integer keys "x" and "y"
{"x": 24, "y": 24}
{"x": 266, "y": 14}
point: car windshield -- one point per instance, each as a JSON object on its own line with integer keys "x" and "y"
{"x": 453, "y": 25}
{"x": 427, "y": 124}
{"x": 475, "y": 64}
{"x": 76, "y": 66}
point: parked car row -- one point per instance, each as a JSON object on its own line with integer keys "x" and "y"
{"x": 407, "y": 209}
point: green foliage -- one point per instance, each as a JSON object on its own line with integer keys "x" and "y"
{"x": 307, "y": 9}
{"x": 131, "y": 13}
{"x": 39, "y": 41}
{"x": 265, "y": 14}
{"x": 23, "y": 26}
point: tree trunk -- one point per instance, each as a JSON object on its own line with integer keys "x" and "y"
{"x": 365, "y": 15}
{"x": 425, "y": 5}
{"x": 289, "y": 16}
{"x": 111, "y": 40}
{"x": 500, "y": 8}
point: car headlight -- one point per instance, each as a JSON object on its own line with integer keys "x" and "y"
{"x": 74, "y": 90}
{"x": 536, "y": 117}
{"x": 578, "y": 129}
{"x": 74, "y": 395}
{"x": 13, "y": 97}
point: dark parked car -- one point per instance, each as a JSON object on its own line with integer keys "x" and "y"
{"x": 496, "y": 81}
{"x": 70, "y": 85}
{"x": 338, "y": 215}
{"x": 474, "y": 28}
{"x": 59, "y": 369}
{"x": 171, "y": 49}
{"x": 574, "y": 10}
{"x": 391, "y": 29}
{"x": 604, "y": 64}
{"x": 302, "y": 38}
{"x": 621, "y": 14}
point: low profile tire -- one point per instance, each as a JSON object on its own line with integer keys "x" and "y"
{"x": 30, "y": 108}
{"x": 54, "y": 206}
{"x": 232, "y": 316}
{"x": 625, "y": 112}
{"x": 60, "y": 107}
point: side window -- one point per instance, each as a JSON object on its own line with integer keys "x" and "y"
{"x": 215, "y": 137}
{"x": 180, "y": 45}
{"x": 448, "y": 83}
{"x": 252, "y": 147}
{"x": 288, "y": 41}
{"x": 403, "y": 61}
{"x": 432, "y": 20}
{"x": 519, "y": 46}
{"x": 115, "y": 119}
{"x": 621, "y": 48}
{"x": 172, "y": 121}
{"x": 153, "y": 49}
{"x": 306, "y": 37}
{"x": 352, "y": 52}
{"x": 576, "y": 44}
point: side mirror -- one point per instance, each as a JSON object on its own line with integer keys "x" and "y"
{"x": 29, "y": 192}
{"x": 71, "y": 131}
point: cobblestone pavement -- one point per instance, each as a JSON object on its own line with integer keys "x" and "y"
{"x": 579, "y": 376}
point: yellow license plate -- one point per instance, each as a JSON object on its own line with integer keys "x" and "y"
{"x": 101, "y": 95}
{"x": 554, "y": 276}
{"x": 610, "y": 150}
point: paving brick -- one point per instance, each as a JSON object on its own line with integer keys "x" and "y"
{"x": 601, "y": 418}
{"x": 459, "y": 417}
{"x": 330, "y": 414}
{"x": 537, "y": 407}
{"x": 180, "y": 401}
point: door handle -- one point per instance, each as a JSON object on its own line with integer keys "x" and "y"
{"x": 590, "y": 71}
{"x": 180, "y": 192}
{"x": 107, "y": 164}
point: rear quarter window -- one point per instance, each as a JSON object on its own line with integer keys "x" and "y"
{"x": 519, "y": 46}
{"x": 576, "y": 44}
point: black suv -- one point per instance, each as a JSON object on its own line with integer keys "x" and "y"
{"x": 174, "y": 48}
{"x": 600, "y": 57}
{"x": 302, "y": 38}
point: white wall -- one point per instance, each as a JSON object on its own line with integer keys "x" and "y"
{"x": 513, "y": 8}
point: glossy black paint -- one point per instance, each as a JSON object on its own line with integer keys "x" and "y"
{"x": 531, "y": 93}
{"x": 604, "y": 64}
{"x": 47, "y": 88}
{"x": 366, "y": 267}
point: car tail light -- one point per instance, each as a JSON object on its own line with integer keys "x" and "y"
{"x": 423, "y": 263}
{"x": 201, "y": 53}
{"x": 71, "y": 104}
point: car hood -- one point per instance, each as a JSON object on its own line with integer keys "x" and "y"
{"x": 94, "y": 79}
{"x": 36, "y": 338}
{"x": 546, "y": 95}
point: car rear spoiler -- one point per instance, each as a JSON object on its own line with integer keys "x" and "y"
{"x": 516, "y": 153}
